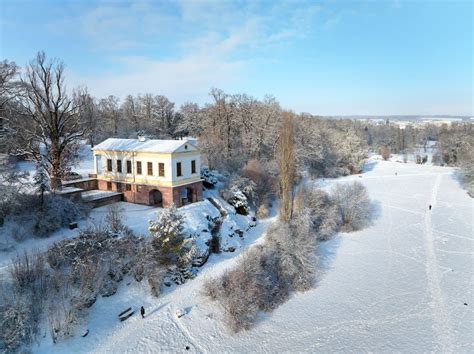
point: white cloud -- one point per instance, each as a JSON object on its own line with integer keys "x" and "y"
{"x": 208, "y": 43}
{"x": 180, "y": 80}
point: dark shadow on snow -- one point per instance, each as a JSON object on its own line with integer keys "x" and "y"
{"x": 459, "y": 178}
{"x": 375, "y": 212}
{"x": 327, "y": 250}
{"x": 369, "y": 166}
{"x": 156, "y": 309}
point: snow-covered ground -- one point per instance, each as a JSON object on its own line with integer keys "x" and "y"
{"x": 399, "y": 285}
{"x": 84, "y": 165}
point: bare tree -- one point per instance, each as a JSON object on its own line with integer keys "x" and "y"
{"x": 287, "y": 166}
{"x": 147, "y": 112}
{"x": 191, "y": 122}
{"x": 131, "y": 108}
{"x": 48, "y": 128}
{"x": 164, "y": 115}
{"x": 110, "y": 110}
{"x": 88, "y": 113}
{"x": 10, "y": 87}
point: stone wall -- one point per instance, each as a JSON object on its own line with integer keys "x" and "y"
{"x": 87, "y": 184}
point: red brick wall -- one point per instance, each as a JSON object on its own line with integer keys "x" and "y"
{"x": 140, "y": 194}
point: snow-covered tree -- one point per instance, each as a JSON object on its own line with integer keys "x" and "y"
{"x": 235, "y": 197}
{"x": 209, "y": 177}
{"x": 42, "y": 182}
{"x": 48, "y": 128}
{"x": 191, "y": 119}
{"x": 110, "y": 112}
{"x": 167, "y": 233}
{"x": 131, "y": 108}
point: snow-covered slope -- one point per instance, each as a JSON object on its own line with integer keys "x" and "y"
{"x": 399, "y": 285}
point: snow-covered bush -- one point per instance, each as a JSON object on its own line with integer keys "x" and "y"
{"x": 385, "y": 152}
{"x": 61, "y": 314}
{"x": 264, "y": 183}
{"x": 324, "y": 216}
{"x": 113, "y": 220}
{"x": 21, "y": 301}
{"x": 168, "y": 234}
{"x": 237, "y": 199}
{"x": 239, "y": 291}
{"x": 38, "y": 215}
{"x": 209, "y": 177}
{"x": 266, "y": 274}
{"x": 11, "y": 191}
{"x": 47, "y": 222}
{"x": 27, "y": 271}
{"x": 16, "y": 325}
{"x": 296, "y": 244}
{"x": 42, "y": 220}
{"x": 467, "y": 174}
{"x": 353, "y": 205}
{"x": 245, "y": 185}
{"x": 20, "y": 233}
{"x": 241, "y": 193}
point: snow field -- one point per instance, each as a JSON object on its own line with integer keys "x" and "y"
{"x": 398, "y": 285}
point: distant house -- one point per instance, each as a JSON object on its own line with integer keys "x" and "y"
{"x": 152, "y": 172}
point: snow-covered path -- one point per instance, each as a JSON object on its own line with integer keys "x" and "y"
{"x": 399, "y": 285}
{"x": 441, "y": 318}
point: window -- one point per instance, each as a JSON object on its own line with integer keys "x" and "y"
{"x": 193, "y": 166}
{"x": 178, "y": 169}
{"x": 139, "y": 167}
{"x": 109, "y": 165}
{"x": 161, "y": 169}
{"x": 129, "y": 166}
{"x": 128, "y": 187}
{"x": 119, "y": 166}
{"x": 109, "y": 186}
{"x": 150, "y": 168}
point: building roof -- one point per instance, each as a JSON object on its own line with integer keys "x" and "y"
{"x": 149, "y": 145}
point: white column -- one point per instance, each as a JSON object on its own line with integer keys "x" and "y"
{"x": 96, "y": 164}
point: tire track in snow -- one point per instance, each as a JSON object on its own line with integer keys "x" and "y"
{"x": 442, "y": 321}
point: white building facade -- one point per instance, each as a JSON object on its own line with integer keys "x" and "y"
{"x": 152, "y": 172}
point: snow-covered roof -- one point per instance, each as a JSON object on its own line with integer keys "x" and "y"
{"x": 149, "y": 145}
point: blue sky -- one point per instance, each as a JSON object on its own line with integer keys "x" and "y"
{"x": 321, "y": 57}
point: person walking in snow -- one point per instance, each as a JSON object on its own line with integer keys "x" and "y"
{"x": 430, "y": 207}
{"x": 142, "y": 312}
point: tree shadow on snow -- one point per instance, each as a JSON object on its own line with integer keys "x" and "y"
{"x": 156, "y": 309}
{"x": 457, "y": 175}
{"x": 327, "y": 250}
{"x": 369, "y": 166}
{"x": 375, "y": 212}
{"x": 326, "y": 253}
